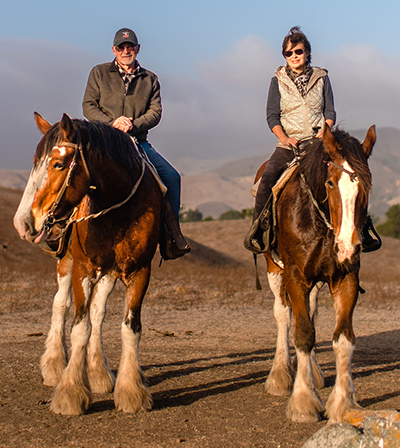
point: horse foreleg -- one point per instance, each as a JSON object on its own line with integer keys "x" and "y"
{"x": 130, "y": 394}
{"x": 101, "y": 378}
{"x": 343, "y": 397}
{"x": 305, "y": 403}
{"x": 280, "y": 378}
{"x": 72, "y": 395}
{"x": 316, "y": 369}
{"x": 54, "y": 359}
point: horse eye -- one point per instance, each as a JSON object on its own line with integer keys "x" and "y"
{"x": 329, "y": 183}
{"x": 58, "y": 165}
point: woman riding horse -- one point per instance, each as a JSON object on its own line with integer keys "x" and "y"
{"x": 300, "y": 102}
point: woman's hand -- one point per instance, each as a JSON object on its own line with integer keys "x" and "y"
{"x": 289, "y": 141}
{"x": 329, "y": 123}
{"x": 283, "y": 138}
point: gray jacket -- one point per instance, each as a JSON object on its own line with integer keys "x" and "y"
{"x": 105, "y": 98}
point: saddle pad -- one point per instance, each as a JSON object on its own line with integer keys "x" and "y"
{"x": 282, "y": 181}
{"x": 151, "y": 167}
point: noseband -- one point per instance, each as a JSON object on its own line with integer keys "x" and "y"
{"x": 297, "y": 156}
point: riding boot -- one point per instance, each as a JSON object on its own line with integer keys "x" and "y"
{"x": 179, "y": 245}
{"x": 369, "y": 243}
{"x": 258, "y": 237}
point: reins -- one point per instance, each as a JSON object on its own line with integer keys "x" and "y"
{"x": 313, "y": 200}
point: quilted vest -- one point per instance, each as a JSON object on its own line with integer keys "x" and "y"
{"x": 300, "y": 115}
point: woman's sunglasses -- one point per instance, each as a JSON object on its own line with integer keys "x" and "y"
{"x": 289, "y": 53}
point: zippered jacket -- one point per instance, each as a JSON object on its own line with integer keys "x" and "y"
{"x": 105, "y": 98}
{"x": 298, "y": 115}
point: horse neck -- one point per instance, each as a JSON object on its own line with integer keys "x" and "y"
{"x": 112, "y": 182}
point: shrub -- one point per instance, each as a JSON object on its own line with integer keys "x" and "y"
{"x": 391, "y": 227}
{"x": 190, "y": 215}
{"x": 231, "y": 214}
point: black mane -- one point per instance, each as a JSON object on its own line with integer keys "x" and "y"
{"x": 101, "y": 141}
{"x": 313, "y": 163}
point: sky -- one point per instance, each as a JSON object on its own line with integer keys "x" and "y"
{"x": 214, "y": 60}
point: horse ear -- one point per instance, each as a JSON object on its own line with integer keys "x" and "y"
{"x": 41, "y": 123}
{"x": 67, "y": 128}
{"x": 369, "y": 141}
{"x": 331, "y": 146}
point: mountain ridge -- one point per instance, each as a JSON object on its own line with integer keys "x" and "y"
{"x": 215, "y": 186}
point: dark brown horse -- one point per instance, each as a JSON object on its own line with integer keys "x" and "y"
{"x": 91, "y": 177}
{"x": 320, "y": 214}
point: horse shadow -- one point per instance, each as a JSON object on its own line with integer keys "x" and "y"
{"x": 376, "y": 353}
{"x": 188, "y": 394}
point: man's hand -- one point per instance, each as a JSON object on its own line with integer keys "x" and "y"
{"x": 122, "y": 123}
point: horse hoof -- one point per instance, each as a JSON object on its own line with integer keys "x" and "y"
{"x": 101, "y": 383}
{"x": 68, "y": 400}
{"x": 133, "y": 402}
{"x": 306, "y": 418}
{"x": 52, "y": 370}
{"x": 279, "y": 382}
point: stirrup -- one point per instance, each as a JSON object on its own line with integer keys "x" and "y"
{"x": 369, "y": 243}
{"x": 254, "y": 240}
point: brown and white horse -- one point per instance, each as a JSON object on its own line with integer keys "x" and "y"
{"x": 91, "y": 176}
{"x": 320, "y": 214}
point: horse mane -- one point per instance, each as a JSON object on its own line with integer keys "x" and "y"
{"x": 313, "y": 164}
{"x": 101, "y": 140}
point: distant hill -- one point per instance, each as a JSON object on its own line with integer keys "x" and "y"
{"x": 15, "y": 179}
{"x": 238, "y": 175}
{"x": 215, "y": 186}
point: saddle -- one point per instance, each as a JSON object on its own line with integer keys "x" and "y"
{"x": 265, "y": 227}
{"x": 172, "y": 243}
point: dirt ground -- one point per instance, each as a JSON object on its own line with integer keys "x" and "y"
{"x": 207, "y": 347}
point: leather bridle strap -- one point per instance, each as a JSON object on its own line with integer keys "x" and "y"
{"x": 353, "y": 175}
{"x": 50, "y": 220}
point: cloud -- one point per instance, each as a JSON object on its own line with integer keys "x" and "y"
{"x": 223, "y": 112}
{"x": 365, "y": 85}
{"x": 42, "y": 76}
{"x": 218, "y": 114}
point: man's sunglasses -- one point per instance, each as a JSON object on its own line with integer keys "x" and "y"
{"x": 289, "y": 53}
{"x": 128, "y": 47}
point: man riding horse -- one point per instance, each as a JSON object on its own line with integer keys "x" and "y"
{"x": 300, "y": 102}
{"x": 127, "y": 96}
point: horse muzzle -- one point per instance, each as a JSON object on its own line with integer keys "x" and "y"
{"x": 27, "y": 230}
{"x": 347, "y": 253}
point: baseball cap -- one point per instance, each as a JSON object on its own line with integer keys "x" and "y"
{"x": 125, "y": 35}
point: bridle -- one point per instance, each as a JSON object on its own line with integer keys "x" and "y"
{"x": 297, "y": 156}
{"x": 50, "y": 220}
{"x": 352, "y": 174}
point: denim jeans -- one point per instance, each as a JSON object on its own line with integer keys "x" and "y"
{"x": 168, "y": 174}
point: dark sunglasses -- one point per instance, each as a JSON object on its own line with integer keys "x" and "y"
{"x": 123, "y": 46}
{"x": 289, "y": 53}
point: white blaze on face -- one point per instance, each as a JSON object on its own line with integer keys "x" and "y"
{"x": 62, "y": 150}
{"x": 23, "y": 220}
{"x": 348, "y": 191}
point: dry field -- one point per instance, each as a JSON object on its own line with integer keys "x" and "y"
{"x": 207, "y": 347}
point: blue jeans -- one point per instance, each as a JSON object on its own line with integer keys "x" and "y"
{"x": 169, "y": 175}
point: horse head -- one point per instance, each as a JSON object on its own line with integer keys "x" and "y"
{"x": 57, "y": 182}
{"x": 347, "y": 185}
